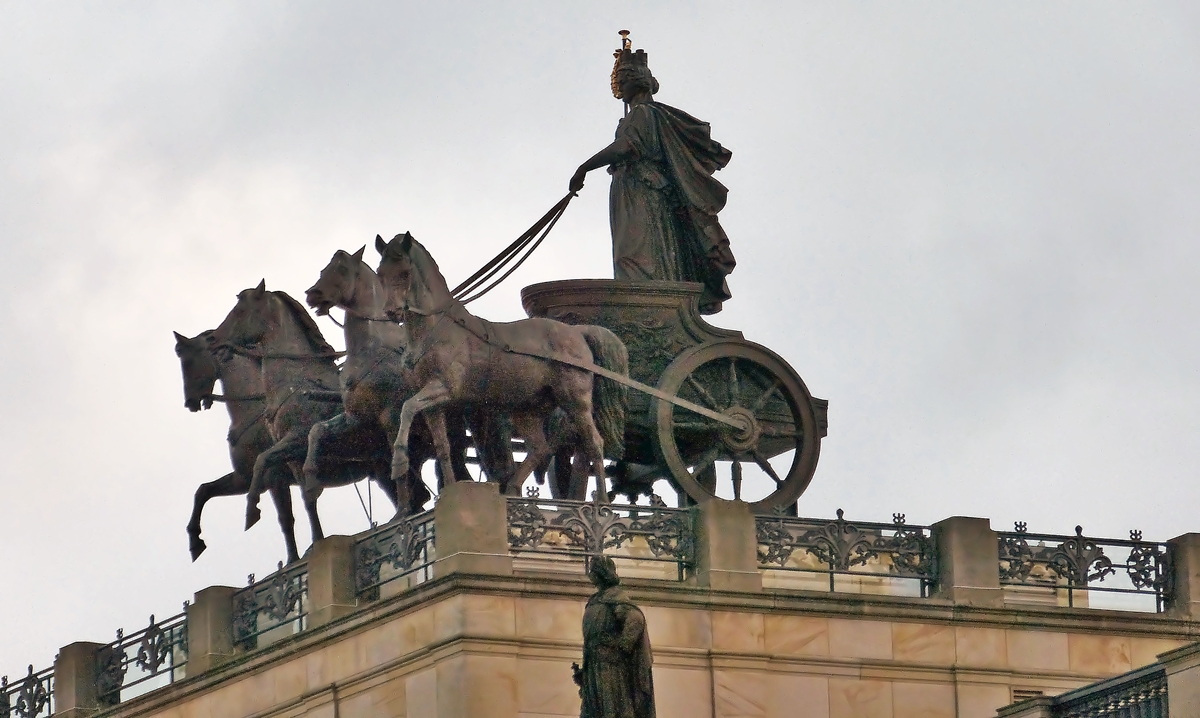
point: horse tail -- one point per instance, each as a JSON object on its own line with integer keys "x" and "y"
{"x": 608, "y": 397}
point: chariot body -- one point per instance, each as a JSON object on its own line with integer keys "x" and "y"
{"x": 704, "y": 402}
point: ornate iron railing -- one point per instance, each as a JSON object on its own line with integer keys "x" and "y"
{"x": 839, "y": 547}
{"x": 403, "y": 548}
{"x": 158, "y": 651}
{"x": 30, "y": 697}
{"x": 1079, "y": 563}
{"x": 1138, "y": 694}
{"x": 588, "y": 528}
{"x": 274, "y": 603}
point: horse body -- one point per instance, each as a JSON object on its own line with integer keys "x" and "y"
{"x": 301, "y": 384}
{"x": 244, "y": 398}
{"x": 525, "y": 369}
{"x": 371, "y": 377}
{"x": 376, "y": 381}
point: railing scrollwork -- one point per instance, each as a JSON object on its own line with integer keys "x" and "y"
{"x": 840, "y": 547}
{"x": 1079, "y": 562}
{"x": 588, "y": 528}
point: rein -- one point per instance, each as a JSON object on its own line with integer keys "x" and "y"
{"x": 497, "y": 264}
{"x": 228, "y": 398}
{"x": 256, "y": 354}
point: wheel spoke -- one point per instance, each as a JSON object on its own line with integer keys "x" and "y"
{"x": 704, "y": 425}
{"x": 788, "y": 433}
{"x": 735, "y": 390}
{"x": 762, "y": 400}
{"x": 736, "y": 471}
{"x": 706, "y": 460}
{"x": 766, "y": 466}
{"x": 705, "y": 396}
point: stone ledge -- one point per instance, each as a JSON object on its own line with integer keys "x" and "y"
{"x": 667, "y": 595}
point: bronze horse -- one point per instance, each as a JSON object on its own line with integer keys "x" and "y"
{"x": 301, "y": 384}
{"x": 524, "y": 369}
{"x": 241, "y": 378}
{"x": 375, "y": 383}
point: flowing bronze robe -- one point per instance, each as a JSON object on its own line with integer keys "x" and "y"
{"x": 663, "y": 203}
{"x": 617, "y": 681}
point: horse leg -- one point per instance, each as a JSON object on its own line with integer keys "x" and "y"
{"x": 231, "y": 484}
{"x": 281, "y": 493}
{"x": 432, "y": 394}
{"x": 530, "y": 428}
{"x": 435, "y": 418}
{"x": 290, "y": 448}
{"x": 590, "y": 443}
{"x": 322, "y": 432}
{"x": 456, "y": 430}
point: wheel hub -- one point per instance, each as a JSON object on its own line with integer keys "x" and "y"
{"x": 744, "y": 437}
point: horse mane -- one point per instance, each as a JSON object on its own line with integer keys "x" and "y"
{"x": 311, "y": 331}
{"x": 425, "y": 265}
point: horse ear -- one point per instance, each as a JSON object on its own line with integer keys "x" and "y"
{"x": 380, "y": 245}
{"x": 261, "y": 289}
{"x": 179, "y": 338}
{"x": 359, "y": 254}
{"x": 406, "y": 243}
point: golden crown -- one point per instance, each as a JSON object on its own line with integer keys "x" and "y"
{"x": 625, "y": 56}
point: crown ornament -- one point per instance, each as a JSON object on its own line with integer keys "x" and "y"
{"x": 624, "y": 56}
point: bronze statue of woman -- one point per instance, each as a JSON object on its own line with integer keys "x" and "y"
{"x": 664, "y": 200}
{"x": 615, "y": 680}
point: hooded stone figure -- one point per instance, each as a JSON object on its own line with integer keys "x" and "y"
{"x": 664, "y": 200}
{"x": 615, "y": 680}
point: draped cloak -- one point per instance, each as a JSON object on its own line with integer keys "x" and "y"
{"x": 664, "y": 201}
{"x": 617, "y": 680}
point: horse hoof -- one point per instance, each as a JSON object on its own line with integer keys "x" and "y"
{"x": 196, "y": 546}
{"x": 252, "y": 517}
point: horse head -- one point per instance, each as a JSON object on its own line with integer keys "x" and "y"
{"x": 249, "y": 320}
{"x": 336, "y": 285}
{"x": 411, "y": 279}
{"x": 200, "y": 370}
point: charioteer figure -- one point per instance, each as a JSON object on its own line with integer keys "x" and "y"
{"x": 664, "y": 200}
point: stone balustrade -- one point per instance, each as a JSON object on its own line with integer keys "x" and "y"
{"x": 474, "y": 533}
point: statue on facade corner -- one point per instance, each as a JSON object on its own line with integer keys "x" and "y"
{"x": 664, "y": 201}
{"x": 615, "y": 680}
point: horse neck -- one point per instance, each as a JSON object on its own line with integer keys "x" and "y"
{"x": 286, "y": 339}
{"x": 362, "y": 333}
{"x": 421, "y": 327}
{"x": 241, "y": 377}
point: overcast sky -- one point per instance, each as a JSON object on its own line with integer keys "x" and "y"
{"x": 971, "y": 227}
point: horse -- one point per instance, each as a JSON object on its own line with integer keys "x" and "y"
{"x": 301, "y": 384}
{"x": 525, "y": 369}
{"x": 372, "y": 376}
{"x": 241, "y": 378}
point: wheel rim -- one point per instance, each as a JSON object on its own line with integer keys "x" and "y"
{"x": 754, "y": 387}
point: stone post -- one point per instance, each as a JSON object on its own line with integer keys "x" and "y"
{"x": 331, "y": 593}
{"x": 75, "y": 694}
{"x": 210, "y": 629}
{"x": 470, "y": 525}
{"x": 1183, "y": 679}
{"x": 1184, "y": 601}
{"x": 726, "y": 546}
{"x": 968, "y": 562}
{"x": 1039, "y": 707}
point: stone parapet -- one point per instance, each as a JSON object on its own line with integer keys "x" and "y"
{"x": 210, "y": 629}
{"x": 471, "y": 530}
{"x": 968, "y": 562}
{"x": 726, "y": 546}
{"x": 75, "y": 690}
{"x": 331, "y": 590}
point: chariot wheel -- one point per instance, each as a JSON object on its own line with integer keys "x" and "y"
{"x": 774, "y": 413}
